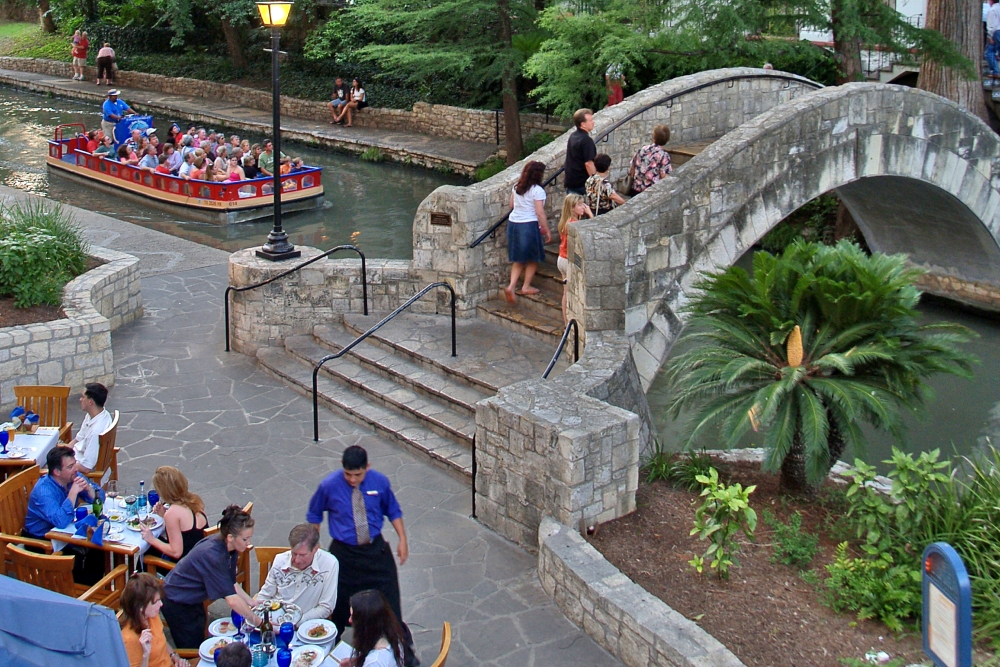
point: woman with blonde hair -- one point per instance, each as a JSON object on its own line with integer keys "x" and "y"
{"x": 183, "y": 515}
{"x": 574, "y": 209}
{"x": 142, "y": 629}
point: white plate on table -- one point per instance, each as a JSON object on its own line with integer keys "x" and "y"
{"x": 286, "y": 612}
{"x": 222, "y": 627}
{"x": 115, "y": 515}
{"x": 207, "y": 648}
{"x": 157, "y": 522}
{"x": 114, "y": 534}
{"x": 309, "y": 655}
{"x": 329, "y": 632}
{"x": 14, "y": 454}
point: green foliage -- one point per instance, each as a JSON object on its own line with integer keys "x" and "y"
{"x": 27, "y": 40}
{"x": 874, "y": 587}
{"x": 724, "y": 512}
{"x": 127, "y": 40}
{"x": 40, "y": 251}
{"x": 791, "y": 545}
{"x": 683, "y": 470}
{"x": 373, "y": 154}
{"x": 865, "y": 357}
{"x": 490, "y": 168}
{"x": 534, "y": 142}
{"x": 859, "y": 662}
{"x": 813, "y": 222}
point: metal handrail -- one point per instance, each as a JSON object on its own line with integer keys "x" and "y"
{"x": 669, "y": 98}
{"x": 562, "y": 343}
{"x": 475, "y": 471}
{"x": 364, "y": 280}
{"x": 356, "y": 341}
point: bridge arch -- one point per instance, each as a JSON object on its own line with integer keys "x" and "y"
{"x": 920, "y": 175}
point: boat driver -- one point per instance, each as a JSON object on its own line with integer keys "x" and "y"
{"x": 113, "y": 111}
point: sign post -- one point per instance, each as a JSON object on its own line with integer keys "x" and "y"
{"x": 947, "y": 607}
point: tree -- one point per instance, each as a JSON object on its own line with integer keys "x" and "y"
{"x": 815, "y": 342}
{"x": 961, "y": 23}
{"x": 233, "y": 15}
{"x": 45, "y": 16}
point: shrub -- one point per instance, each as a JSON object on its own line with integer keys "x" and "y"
{"x": 373, "y": 154}
{"x": 724, "y": 512}
{"x": 874, "y": 587}
{"x": 683, "y": 470}
{"x": 490, "y": 168}
{"x": 534, "y": 142}
{"x": 40, "y": 251}
{"x": 791, "y": 545}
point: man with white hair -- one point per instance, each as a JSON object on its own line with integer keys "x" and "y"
{"x": 306, "y": 576}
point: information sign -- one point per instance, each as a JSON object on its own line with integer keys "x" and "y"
{"x": 947, "y": 607}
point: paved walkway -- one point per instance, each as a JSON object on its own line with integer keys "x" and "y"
{"x": 461, "y": 156}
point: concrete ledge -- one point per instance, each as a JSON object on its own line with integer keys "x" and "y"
{"x": 76, "y": 349}
{"x": 636, "y": 627}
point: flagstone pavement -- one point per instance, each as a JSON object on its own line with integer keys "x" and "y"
{"x": 241, "y": 435}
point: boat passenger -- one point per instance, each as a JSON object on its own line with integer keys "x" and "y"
{"x": 113, "y": 111}
{"x": 107, "y": 147}
{"x": 174, "y": 159}
{"x": 186, "y": 166}
{"x": 249, "y": 166}
{"x": 187, "y": 146}
{"x": 297, "y": 164}
{"x": 93, "y": 140}
{"x": 172, "y": 134}
{"x": 198, "y": 170}
{"x": 221, "y": 160}
{"x": 125, "y": 156}
{"x": 234, "y": 141}
{"x": 163, "y": 167}
{"x": 235, "y": 168}
{"x": 286, "y": 165}
{"x": 245, "y": 146}
{"x": 149, "y": 161}
{"x": 154, "y": 141}
{"x": 134, "y": 142}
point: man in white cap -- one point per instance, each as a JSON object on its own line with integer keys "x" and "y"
{"x": 113, "y": 111}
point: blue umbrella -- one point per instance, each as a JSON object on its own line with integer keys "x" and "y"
{"x": 41, "y": 628}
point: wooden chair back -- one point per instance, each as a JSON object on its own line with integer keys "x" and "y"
{"x": 265, "y": 558}
{"x": 54, "y": 573}
{"x": 445, "y": 646}
{"x": 50, "y": 403}
{"x": 107, "y": 457}
{"x": 14, "y": 494}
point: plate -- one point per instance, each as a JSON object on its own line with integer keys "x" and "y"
{"x": 207, "y": 648}
{"x": 285, "y": 613}
{"x": 307, "y": 656}
{"x": 14, "y": 454}
{"x": 222, "y": 627}
{"x": 115, "y": 534}
{"x": 157, "y": 522}
{"x": 328, "y": 632}
{"x": 115, "y": 515}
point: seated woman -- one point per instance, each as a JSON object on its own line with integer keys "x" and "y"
{"x": 235, "y": 168}
{"x": 93, "y": 140}
{"x": 208, "y": 573}
{"x": 358, "y": 101}
{"x": 198, "y": 169}
{"x": 378, "y": 638}
{"x": 174, "y": 159}
{"x": 107, "y": 147}
{"x": 183, "y": 513}
{"x": 173, "y": 134}
{"x": 221, "y": 160}
{"x": 126, "y": 156}
{"x": 142, "y": 629}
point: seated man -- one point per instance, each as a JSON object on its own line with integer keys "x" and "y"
{"x": 149, "y": 161}
{"x": 86, "y": 445}
{"x": 338, "y": 99}
{"x": 305, "y": 576}
{"x": 52, "y": 504}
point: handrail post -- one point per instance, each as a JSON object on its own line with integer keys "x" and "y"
{"x": 316, "y": 403}
{"x": 454, "y": 351}
{"x": 364, "y": 281}
{"x": 226, "y": 299}
{"x": 576, "y": 342}
{"x": 475, "y": 469}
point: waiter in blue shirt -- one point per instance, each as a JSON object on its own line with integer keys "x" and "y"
{"x": 113, "y": 111}
{"x": 52, "y": 504}
{"x": 356, "y": 499}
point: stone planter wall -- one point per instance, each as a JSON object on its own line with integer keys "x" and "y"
{"x": 74, "y": 350}
{"x": 634, "y": 626}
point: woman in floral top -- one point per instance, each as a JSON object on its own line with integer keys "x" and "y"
{"x": 599, "y": 194}
{"x": 651, "y": 163}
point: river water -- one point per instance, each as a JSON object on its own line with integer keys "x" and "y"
{"x": 963, "y": 416}
{"x": 368, "y": 204}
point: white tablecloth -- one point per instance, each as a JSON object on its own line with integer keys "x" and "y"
{"x": 130, "y": 537}
{"x": 37, "y": 445}
{"x": 296, "y": 642}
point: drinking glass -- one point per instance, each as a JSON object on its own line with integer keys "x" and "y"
{"x": 111, "y": 491}
{"x": 285, "y": 634}
{"x": 154, "y": 498}
{"x": 284, "y": 657}
{"x": 267, "y": 641}
{"x": 254, "y": 637}
{"x": 215, "y": 656}
{"x": 259, "y": 657}
{"x": 237, "y": 619}
{"x": 131, "y": 502}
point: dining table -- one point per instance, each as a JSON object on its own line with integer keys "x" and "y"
{"x": 327, "y": 647}
{"x": 31, "y": 448}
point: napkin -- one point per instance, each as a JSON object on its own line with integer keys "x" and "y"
{"x": 90, "y": 522}
{"x": 17, "y": 413}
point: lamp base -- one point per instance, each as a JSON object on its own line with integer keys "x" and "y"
{"x": 278, "y": 256}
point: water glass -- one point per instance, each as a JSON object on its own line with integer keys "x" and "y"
{"x": 284, "y": 657}
{"x": 285, "y": 634}
{"x": 254, "y": 637}
{"x": 154, "y": 498}
{"x": 215, "y": 656}
{"x": 81, "y": 513}
{"x": 259, "y": 657}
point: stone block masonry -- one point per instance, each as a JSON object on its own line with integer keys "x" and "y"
{"x": 74, "y": 350}
{"x": 636, "y": 627}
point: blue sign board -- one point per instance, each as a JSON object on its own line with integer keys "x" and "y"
{"x": 947, "y": 617}
{"x": 124, "y": 127}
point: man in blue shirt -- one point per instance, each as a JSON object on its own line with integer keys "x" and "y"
{"x": 52, "y": 504}
{"x": 356, "y": 500}
{"x": 113, "y": 111}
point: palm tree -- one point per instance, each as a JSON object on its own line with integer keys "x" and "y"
{"x": 815, "y": 342}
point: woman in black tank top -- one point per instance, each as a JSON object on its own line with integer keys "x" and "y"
{"x": 183, "y": 515}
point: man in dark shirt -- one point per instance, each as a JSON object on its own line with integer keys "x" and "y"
{"x": 339, "y": 99}
{"x": 580, "y": 152}
{"x": 356, "y": 499}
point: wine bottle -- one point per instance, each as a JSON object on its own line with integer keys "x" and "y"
{"x": 267, "y": 632}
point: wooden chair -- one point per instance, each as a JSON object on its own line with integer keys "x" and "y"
{"x": 265, "y": 558}
{"x": 50, "y": 404}
{"x": 55, "y": 573}
{"x": 14, "y": 494}
{"x": 107, "y": 457}
{"x": 445, "y": 645}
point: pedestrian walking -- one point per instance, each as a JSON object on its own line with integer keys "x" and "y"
{"x": 525, "y": 227}
{"x": 580, "y": 152}
{"x": 356, "y": 500}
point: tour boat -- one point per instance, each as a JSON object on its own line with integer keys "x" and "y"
{"x": 219, "y": 202}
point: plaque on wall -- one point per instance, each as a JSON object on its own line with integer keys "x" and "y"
{"x": 441, "y": 219}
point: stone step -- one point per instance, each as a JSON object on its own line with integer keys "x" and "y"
{"x": 547, "y": 303}
{"x": 521, "y": 320}
{"x": 387, "y": 422}
{"x": 489, "y": 356}
{"x": 435, "y": 414}
{"x": 430, "y": 382}
{"x": 550, "y": 272}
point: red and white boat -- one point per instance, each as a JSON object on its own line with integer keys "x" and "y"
{"x": 218, "y": 202}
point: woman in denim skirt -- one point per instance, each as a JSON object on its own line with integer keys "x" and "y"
{"x": 525, "y": 228}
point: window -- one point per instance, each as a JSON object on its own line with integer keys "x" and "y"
{"x": 247, "y": 191}
{"x": 267, "y": 189}
{"x": 81, "y": 160}
{"x": 136, "y": 175}
{"x": 287, "y": 186}
{"x": 205, "y": 192}
{"x": 308, "y": 181}
{"x": 114, "y": 170}
{"x": 186, "y": 189}
{"x": 148, "y": 180}
{"x": 175, "y": 187}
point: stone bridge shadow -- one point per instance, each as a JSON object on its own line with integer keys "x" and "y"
{"x": 919, "y": 174}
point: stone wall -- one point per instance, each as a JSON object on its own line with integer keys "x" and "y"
{"x": 634, "y": 626}
{"x": 697, "y": 107}
{"x": 76, "y": 349}
{"x": 983, "y": 296}
{"x": 433, "y": 119}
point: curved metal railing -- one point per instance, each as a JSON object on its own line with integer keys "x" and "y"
{"x": 364, "y": 280}
{"x": 356, "y": 341}
{"x": 562, "y": 344}
{"x": 731, "y": 80}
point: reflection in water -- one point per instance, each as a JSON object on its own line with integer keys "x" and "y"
{"x": 368, "y": 204}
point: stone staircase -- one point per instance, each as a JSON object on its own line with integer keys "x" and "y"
{"x": 403, "y": 382}
{"x": 538, "y": 315}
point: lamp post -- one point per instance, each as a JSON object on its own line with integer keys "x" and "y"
{"x": 274, "y": 15}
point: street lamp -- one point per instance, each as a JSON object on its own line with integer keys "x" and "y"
{"x": 274, "y": 15}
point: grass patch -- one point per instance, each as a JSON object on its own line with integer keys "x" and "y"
{"x": 26, "y": 40}
{"x": 373, "y": 154}
{"x": 490, "y": 168}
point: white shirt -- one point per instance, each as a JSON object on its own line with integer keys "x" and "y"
{"x": 87, "y": 445}
{"x": 524, "y": 205}
{"x": 380, "y": 656}
{"x": 314, "y": 589}
{"x": 993, "y": 19}
{"x": 358, "y": 95}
